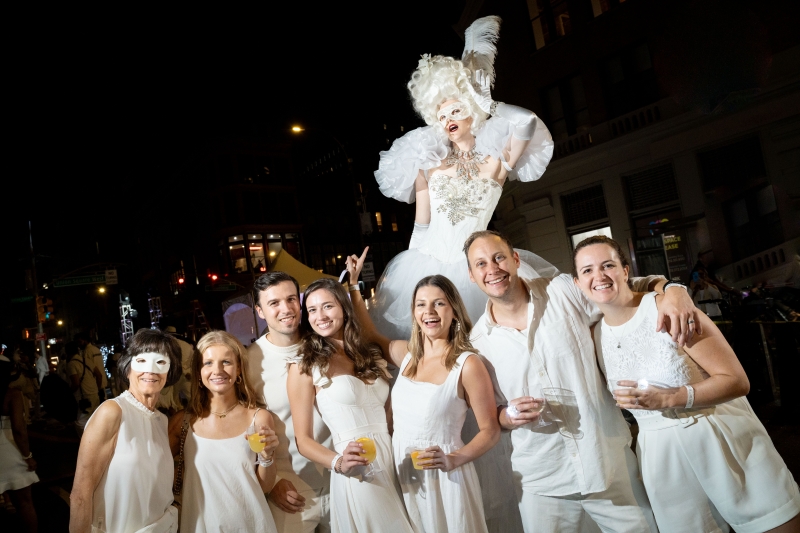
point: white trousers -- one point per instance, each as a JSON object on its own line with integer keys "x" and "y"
{"x": 314, "y": 518}
{"x": 622, "y": 508}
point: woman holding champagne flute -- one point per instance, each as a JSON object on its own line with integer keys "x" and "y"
{"x": 346, "y": 378}
{"x": 223, "y": 443}
{"x": 706, "y": 460}
{"x": 440, "y": 378}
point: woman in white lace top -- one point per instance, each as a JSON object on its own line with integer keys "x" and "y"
{"x": 706, "y": 460}
{"x": 123, "y": 479}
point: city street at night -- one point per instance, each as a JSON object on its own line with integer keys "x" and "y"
{"x": 220, "y": 211}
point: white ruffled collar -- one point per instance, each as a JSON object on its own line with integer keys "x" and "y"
{"x": 139, "y": 405}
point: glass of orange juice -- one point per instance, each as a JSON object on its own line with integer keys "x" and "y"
{"x": 414, "y": 457}
{"x": 254, "y": 439}
{"x": 367, "y": 442}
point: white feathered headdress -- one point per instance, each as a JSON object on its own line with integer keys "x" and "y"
{"x": 479, "y": 45}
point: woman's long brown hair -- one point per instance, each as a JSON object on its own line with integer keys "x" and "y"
{"x": 316, "y": 350}
{"x": 460, "y": 328}
{"x": 199, "y": 405}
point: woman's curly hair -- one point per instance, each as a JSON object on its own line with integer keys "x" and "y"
{"x": 441, "y": 78}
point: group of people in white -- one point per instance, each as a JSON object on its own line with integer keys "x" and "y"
{"x": 481, "y": 390}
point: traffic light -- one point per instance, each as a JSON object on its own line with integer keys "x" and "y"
{"x": 44, "y": 309}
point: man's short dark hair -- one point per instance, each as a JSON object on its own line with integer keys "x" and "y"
{"x": 270, "y": 279}
{"x": 485, "y": 233}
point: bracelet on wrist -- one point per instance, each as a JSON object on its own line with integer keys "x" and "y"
{"x": 671, "y": 283}
{"x": 338, "y": 467}
{"x": 29, "y": 456}
{"x": 266, "y": 462}
{"x": 335, "y": 462}
{"x": 689, "y": 396}
{"x": 355, "y": 287}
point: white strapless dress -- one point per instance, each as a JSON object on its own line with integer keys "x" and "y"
{"x": 459, "y": 207}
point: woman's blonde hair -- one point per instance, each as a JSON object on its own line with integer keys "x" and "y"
{"x": 317, "y": 350}
{"x": 199, "y": 405}
{"x": 438, "y": 79}
{"x": 460, "y": 328}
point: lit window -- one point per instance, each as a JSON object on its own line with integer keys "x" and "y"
{"x": 238, "y": 258}
{"x": 578, "y": 237}
{"x": 257, "y": 258}
{"x": 236, "y": 238}
{"x": 379, "y": 220}
{"x": 601, "y": 6}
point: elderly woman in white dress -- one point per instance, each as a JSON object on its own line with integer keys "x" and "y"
{"x": 706, "y": 460}
{"x": 123, "y": 480}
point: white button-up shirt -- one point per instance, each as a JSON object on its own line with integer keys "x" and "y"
{"x": 556, "y": 350}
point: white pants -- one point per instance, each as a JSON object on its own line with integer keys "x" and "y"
{"x": 314, "y": 518}
{"x": 622, "y": 508}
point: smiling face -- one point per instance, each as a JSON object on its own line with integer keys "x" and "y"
{"x": 601, "y": 275}
{"x": 454, "y": 116}
{"x": 219, "y": 369}
{"x": 493, "y": 266}
{"x": 325, "y": 314}
{"x": 433, "y": 312}
{"x": 148, "y": 383}
{"x": 279, "y": 305}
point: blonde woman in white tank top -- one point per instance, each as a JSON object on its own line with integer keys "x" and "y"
{"x": 223, "y": 481}
{"x": 706, "y": 460}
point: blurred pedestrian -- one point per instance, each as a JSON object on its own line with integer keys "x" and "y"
{"x": 123, "y": 479}
{"x": 83, "y": 382}
{"x": 216, "y": 457}
{"x": 17, "y": 465}
{"x": 93, "y": 353}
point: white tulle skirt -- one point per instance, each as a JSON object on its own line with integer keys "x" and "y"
{"x": 390, "y": 309}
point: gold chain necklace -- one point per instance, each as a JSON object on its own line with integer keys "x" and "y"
{"x": 225, "y": 413}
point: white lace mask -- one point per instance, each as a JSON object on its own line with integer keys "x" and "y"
{"x": 454, "y": 111}
{"x": 150, "y": 362}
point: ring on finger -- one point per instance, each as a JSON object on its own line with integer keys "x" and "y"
{"x": 690, "y": 321}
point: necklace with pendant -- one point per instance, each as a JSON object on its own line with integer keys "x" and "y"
{"x": 225, "y": 413}
{"x": 620, "y": 337}
{"x": 466, "y": 162}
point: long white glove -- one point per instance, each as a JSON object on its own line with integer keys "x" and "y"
{"x": 418, "y": 235}
{"x": 524, "y": 121}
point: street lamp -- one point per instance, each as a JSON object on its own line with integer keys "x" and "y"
{"x": 101, "y": 290}
{"x": 359, "y": 199}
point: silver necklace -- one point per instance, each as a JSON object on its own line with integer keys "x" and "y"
{"x": 466, "y": 162}
{"x": 624, "y": 330}
{"x": 224, "y": 413}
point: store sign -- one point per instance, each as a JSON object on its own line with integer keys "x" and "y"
{"x": 677, "y": 256}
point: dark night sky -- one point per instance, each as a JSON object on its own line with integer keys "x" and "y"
{"x": 108, "y": 104}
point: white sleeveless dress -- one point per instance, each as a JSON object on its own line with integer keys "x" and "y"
{"x": 135, "y": 493}
{"x": 351, "y": 408}
{"x": 459, "y": 207}
{"x": 221, "y": 493}
{"x": 426, "y": 414}
{"x": 703, "y": 468}
{"x": 14, "y": 473}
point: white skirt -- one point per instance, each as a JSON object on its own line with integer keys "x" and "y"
{"x": 721, "y": 469}
{"x": 14, "y": 473}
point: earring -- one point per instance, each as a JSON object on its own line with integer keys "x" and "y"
{"x": 239, "y": 378}
{"x": 458, "y": 325}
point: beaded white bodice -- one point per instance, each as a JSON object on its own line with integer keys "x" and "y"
{"x": 635, "y": 350}
{"x": 459, "y": 207}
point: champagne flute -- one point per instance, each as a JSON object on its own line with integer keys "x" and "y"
{"x": 367, "y": 442}
{"x": 254, "y": 440}
{"x": 540, "y": 422}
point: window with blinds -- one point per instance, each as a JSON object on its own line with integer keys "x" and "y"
{"x": 584, "y": 206}
{"x": 651, "y": 187}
